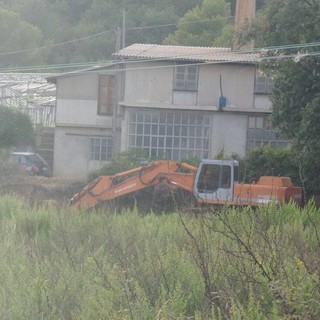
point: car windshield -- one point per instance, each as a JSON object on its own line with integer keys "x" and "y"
{"x": 35, "y": 158}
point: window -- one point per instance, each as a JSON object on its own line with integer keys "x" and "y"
{"x": 100, "y": 149}
{"x": 259, "y": 134}
{"x": 213, "y": 177}
{"x": 170, "y": 135}
{"x": 106, "y": 94}
{"x": 186, "y": 78}
{"x": 263, "y": 84}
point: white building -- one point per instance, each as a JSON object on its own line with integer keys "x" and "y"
{"x": 172, "y": 101}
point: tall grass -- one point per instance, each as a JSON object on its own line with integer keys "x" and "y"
{"x": 60, "y": 263}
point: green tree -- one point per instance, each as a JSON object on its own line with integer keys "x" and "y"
{"x": 205, "y": 25}
{"x": 15, "y": 129}
{"x": 18, "y": 35}
{"x": 296, "y": 79}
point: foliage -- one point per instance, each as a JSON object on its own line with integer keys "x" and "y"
{"x": 282, "y": 22}
{"x": 266, "y": 161}
{"x": 296, "y": 79}
{"x": 127, "y": 160}
{"x": 15, "y": 128}
{"x": 18, "y": 35}
{"x": 58, "y": 263}
{"x": 215, "y": 29}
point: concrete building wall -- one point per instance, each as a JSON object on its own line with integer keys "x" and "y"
{"x": 237, "y": 83}
{"x": 149, "y": 83}
{"x": 72, "y": 152}
{"x": 228, "y": 134}
{"x": 77, "y": 121}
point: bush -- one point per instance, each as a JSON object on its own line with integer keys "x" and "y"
{"x": 266, "y": 160}
{"x": 59, "y": 263}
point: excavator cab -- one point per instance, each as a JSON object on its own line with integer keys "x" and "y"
{"x": 215, "y": 179}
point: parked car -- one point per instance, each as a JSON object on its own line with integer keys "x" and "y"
{"x": 31, "y": 163}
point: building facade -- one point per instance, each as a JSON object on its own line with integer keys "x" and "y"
{"x": 171, "y": 102}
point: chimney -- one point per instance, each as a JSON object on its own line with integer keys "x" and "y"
{"x": 245, "y": 13}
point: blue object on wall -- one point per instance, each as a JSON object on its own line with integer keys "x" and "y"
{"x": 222, "y": 102}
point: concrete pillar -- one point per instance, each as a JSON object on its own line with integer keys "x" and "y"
{"x": 245, "y": 13}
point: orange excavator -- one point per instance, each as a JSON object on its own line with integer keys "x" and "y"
{"x": 213, "y": 182}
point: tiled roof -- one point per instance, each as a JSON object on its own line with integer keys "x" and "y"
{"x": 184, "y": 53}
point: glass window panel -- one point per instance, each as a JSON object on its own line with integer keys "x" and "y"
{"x": 168, "y": 153}
{"x": 184, "y": 142}
{"x": 177, "y": 130}
{"x": 147, "y": 117}
{"x": 131, "y": 141}
{"x": 169, "y": 142}
{"x": 153, "y": 152}
{"x": 162, "y": 118}
{"x": 199, "y": 131}
{"x": 259, "y": 135}
{"x": 251, "y": 134}
{"x": 192, "y": 131}
{"x": 146, "y": 141}
{"x": 206, "y": 132}
{"x": 252, "y": 122}
{"x": 170, "y": 117}
{"x": 185, "y": 119}
{"x": 183, "y": 154}
{"x": 184, "y": 131}
{"x": 140, "y": 128}
{"x": 133, "y": 117}
{"x": 154, "y": 142}
{"x": 169, "y": 130}
{"x": 259, "y": 123}
{"x": 191, "y": 143}
{"x": 132, "y": 129}
{"x": 199, "y": 120}
{"x": 155, "y": 118}
{"x": 176, "y": 142}
{"x": 193, "y": 119}
{"x": 140, "y": 117}
{"x": 147, "y": 128}
{"x": 161, "y": 142}
{"x": 206, "y": 144}
{"x": 177, "y": 118}
{"x": 175, "y": 154}
{"x": 198, "y": 143}
{"x": 154, "y": 129}
{"x": 162, "y": 130}
{"x": 161, "y": 153}
{"x": 139, "y": 141}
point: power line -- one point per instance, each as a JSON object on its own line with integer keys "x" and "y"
{"x": 279, "y": 56}
{"x": 58, "y": 44}
{"x": 109, "y": 31}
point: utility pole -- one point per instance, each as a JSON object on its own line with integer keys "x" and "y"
{"x": 123, "y": 28}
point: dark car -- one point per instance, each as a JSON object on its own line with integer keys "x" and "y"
{"x": 31, "y": 163}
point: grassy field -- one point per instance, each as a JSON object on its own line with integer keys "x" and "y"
{"x": 59, "y": 263}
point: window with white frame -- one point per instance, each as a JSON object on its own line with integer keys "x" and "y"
{"x": 100, "y": 148}
{"x": 186, "y": 77}
{"x": 170, "y": 135}
{"x": 259, "y": 133}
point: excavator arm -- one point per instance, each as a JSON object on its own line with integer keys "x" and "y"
{"x": 106, "y": 188}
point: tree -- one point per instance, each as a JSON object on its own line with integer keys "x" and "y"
{"x": 206, "y": 25}
{"x": 296, "y": 79}
{"x": 15, "y": 129}
{"x": 18, "y": 35}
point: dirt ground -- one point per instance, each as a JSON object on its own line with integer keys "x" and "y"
{"x": 38, "y": 189}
